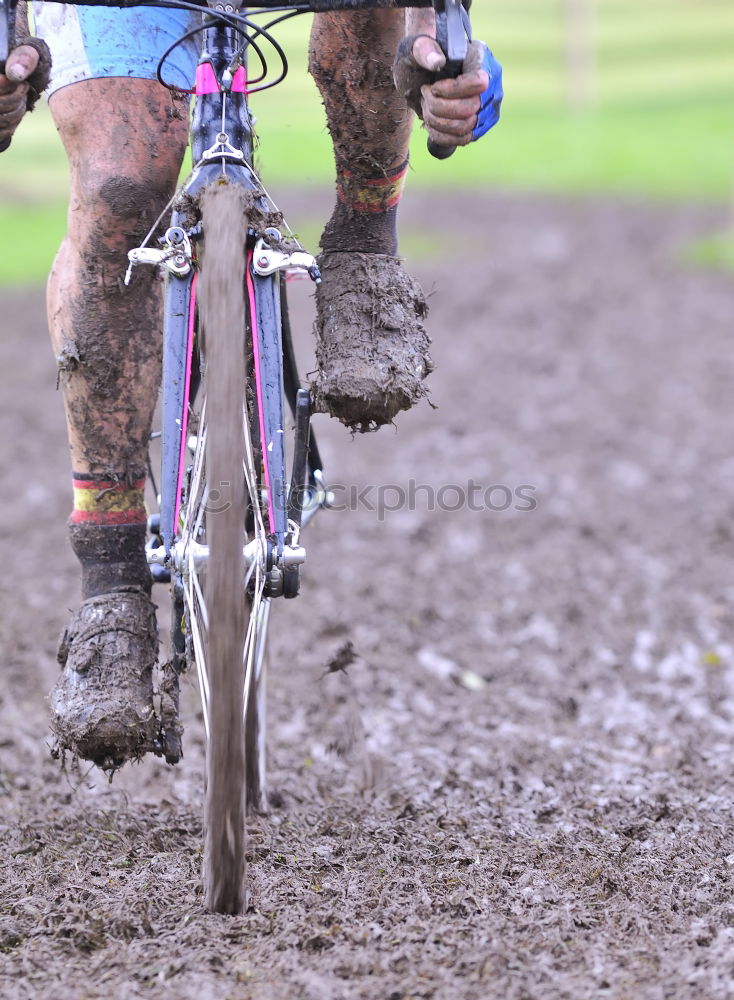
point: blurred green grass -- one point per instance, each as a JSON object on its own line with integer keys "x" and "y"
{"x": 715, "y": 251}
{"x": 659, "y": 121}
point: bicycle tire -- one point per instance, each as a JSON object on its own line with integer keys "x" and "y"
{"x": 222, "y": 326}
{"x": 226, "y": 612}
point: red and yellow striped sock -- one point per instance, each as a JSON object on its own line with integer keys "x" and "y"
{"x": 107, "y": 530}
{"x": 365, "y": 217}
{"x": 372, "y": 194}
{"x": 107, "y": 501}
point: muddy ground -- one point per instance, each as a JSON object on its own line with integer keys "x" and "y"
{"x": 522, "y": 788}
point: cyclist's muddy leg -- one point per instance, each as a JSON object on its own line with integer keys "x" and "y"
{"x": 125, "y": 141}
{"x": 371, "y": 345}
{"x": 351, "y": 59}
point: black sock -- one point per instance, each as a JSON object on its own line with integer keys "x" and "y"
{"x": 112, "y": 557}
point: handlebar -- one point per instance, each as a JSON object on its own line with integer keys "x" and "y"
{"x": 7, "y": 10}
{"x": 452, "y": 34}
{"x": 452, "y": 29}
{"x": 321, "y": 6}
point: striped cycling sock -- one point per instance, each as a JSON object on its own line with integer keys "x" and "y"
{"x": 107, "y": 501}
{"x": 365, "y": 217}
{"x": 107, "y": 529}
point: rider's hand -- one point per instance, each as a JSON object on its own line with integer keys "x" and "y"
{"x": 13, "y": 88}
{"x": 25, "y": 77}
{"x": 455, "y": 111}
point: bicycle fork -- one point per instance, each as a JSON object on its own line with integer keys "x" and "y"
{"x": 222, "y": 141}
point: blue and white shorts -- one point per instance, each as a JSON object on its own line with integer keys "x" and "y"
{"x": 89, "y": 43}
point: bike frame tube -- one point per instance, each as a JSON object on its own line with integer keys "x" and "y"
{"x": 268, "y": 352}
{"x": 178, "y": 349}
{"x": 216, "y": 112}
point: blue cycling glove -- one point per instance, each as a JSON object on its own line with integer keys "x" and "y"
{"x": 410, "y": 78}
{"x": 489, "y": 111}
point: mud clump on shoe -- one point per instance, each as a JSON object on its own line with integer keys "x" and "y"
{"x": 371, "y": 344}
{"x": 103, "y": 703}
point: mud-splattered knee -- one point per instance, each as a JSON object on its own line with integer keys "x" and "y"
{"x": 111, "y": 215}
{"x": 126, "y": 197}
{"x": 120, "y": 205}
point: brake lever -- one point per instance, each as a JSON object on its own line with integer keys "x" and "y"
{"x": 7, "y": 42}
{"x": 453, "y": 33}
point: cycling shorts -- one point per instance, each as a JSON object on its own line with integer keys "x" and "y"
{"x": 91, "y": 43}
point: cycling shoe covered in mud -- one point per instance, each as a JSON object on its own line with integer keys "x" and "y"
{"x": 103, "y": 704}
{"x": 371, "y": 343}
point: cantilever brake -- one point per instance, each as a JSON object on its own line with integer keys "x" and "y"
{"x": 266, "y": 260}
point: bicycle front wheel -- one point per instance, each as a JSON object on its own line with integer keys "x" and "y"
{"x": 221, "y": 498}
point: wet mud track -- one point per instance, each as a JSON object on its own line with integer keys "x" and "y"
{"x": 522, "y": 786}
